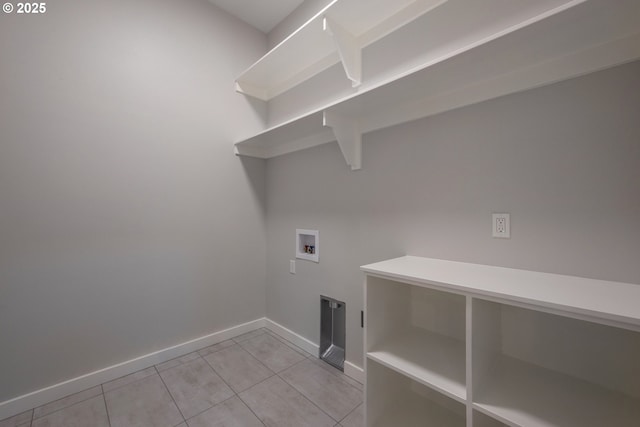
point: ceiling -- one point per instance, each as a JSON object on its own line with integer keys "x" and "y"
{"x": 261, "y": 14}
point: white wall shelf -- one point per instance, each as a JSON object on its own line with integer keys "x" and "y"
{"x": 525, "y": 45}
{"x": 337, "y": 33}
{"x": 515, "y": 348}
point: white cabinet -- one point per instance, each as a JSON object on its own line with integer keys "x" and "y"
{"x": 474, "y": 345}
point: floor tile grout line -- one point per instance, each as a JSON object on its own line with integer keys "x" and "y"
{"x": 171, "y": 396}
{"x": 291, "y": 366}
{"x": 258, "y": 383}
{"x": 155, "y": 367}
{"x": 132, "y": 382}
{"x": 248, "y": 339}
{"x": 33, "y": 416}
{"x": 106, "y": 408}
{"x": 238, "y": 338}
{"x": 229, "y": 385}
{"x": 352, "y": 411}
{"x": 307, "y": 398}
{"x": 238, "y": 394}
{"x": 211, "y": 407}
{"x": 181, "y": 363}
{"x": 264, "y": 330}
{"x": 219, "y": 376}
{"x": 249, "y": 407}
{"x": 257, "y": 335}
{"x": 283, "y": 339}
{"x": 292, "y": 386}
{"x": 215, "y": 351}
{"x": 329, "y": 370}
{"x": 258, "y": 360}
{"x": 272, "y": 370}
{"x": 280, "y": 342}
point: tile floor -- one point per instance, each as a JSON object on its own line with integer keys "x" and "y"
{"x": 257, "y": 379}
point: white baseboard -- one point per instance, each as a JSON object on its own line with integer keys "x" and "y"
{"x": 40, "y": 397}
{"x": 289, "y": 335}
{"x": 354, "y": 371}
{"x": 351, "y": 370}
{"x": 45, "y": 395}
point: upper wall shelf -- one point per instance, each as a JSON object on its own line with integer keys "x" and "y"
{"x": 336, "y": 34}
{"x": 523, "y": 45}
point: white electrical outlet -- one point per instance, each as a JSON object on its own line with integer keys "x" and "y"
{"x": 501, "y": 225}
{"x": 292, "y": 266}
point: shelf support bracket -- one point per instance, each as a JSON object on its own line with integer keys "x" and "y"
{"x": 348, "y": 49}
{"x": 348, "y": 135}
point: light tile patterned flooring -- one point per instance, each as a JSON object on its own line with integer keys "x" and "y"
{"x": 257, "y": 379}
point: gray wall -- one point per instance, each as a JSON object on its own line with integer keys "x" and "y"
{"x": 127, "y": 225}
{"x": 563, "y": 160}
{"x": 295, "y": 19}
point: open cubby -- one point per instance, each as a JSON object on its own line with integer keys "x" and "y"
{"x": 533, "y": 368}
{"x": 400, "y": 401}
{"x": 512, "y": 347}
{"x": 483, "y": 420}
{"x": 419, "y": 332}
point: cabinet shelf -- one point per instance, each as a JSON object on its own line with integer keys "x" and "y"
{"x": 515, "y": 50}
{"x": 414, "y": 411}
{"x": 523, "y": 394}
{"x": 404, "y": 402}
{"x": 434, "y": 360}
